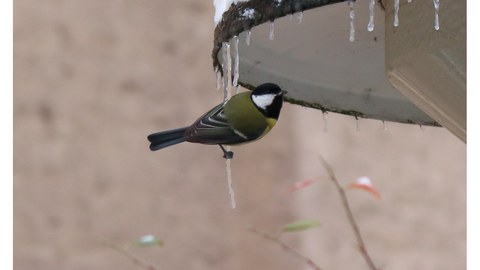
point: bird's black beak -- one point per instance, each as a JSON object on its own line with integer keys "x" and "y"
{"x": 284, "y": 92}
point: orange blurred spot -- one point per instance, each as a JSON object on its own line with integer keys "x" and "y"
{"x": 367, "y": 187}
{"x": 300, "y": 184}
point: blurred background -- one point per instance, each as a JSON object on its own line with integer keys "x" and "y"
{"x": 93, "y": 78}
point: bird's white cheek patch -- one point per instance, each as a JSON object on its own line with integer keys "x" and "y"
{"x": 263, "y": 101}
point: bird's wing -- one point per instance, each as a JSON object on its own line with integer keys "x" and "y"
{"x": 213, "y": 128}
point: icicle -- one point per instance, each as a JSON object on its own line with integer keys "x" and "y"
{"x": 351, "y": 4}
{"x": 227, "y": 83}
{"x": 290, "y": 16}
{"x": 235, "y": 61}
{"x": 231, "y": 86}
{"x": 300, "y": 17}
{"x": 219, "y": 78}
{"x": 396, "y": 7}
{"x": 409, "y": 1}
{"x": 233, "y": 204}
{"x": 371, "y": 23}
{"x": 229, "y": 70}
{"x": 247, "y": 38}
{"x": 436, "y": 4}
{"x": 216, "y": 77}
{"x": 385, "y": 127}
{"x": 357, "y": 124}
{"x": 272, "y": 31}
{"x": 325, "y": 117}
{"x": 225, "y": 68}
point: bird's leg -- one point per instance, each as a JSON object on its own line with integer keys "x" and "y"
{"x": 226, "y": 154}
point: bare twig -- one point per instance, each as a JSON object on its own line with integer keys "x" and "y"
{"x": 361, "y": 244}
{"x": 124, "y": 250}
{"x": 287, "y": 248}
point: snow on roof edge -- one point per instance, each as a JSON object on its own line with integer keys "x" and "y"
{"x": 221, "y": 6}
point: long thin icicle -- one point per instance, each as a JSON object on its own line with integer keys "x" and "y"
{"x": 227, "y": 84}
{"x": 371, "y": 23}
{"x": 226, "y": 67}
{"x": 233, "y": 204}
{"x": 436, "y": 5}
{"x": 236, "y": 60}
{"x": 396, "y": 7}
{"x": 351, "y": 13}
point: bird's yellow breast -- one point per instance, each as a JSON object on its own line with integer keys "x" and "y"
{"x": 271, "y": 122}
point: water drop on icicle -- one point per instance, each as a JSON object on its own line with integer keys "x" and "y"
{"x": 436, "y": 5}
{"x": 271, "y": 35}
{"x": 300, "y": 17}
{"x": 235, "y": 61}
{"x": 247, "y": 38}
{"x": 371, "y": 23}
{"x": 409, "y": 1}
{"x": 396, "y": 7}
{"x": 351, "y": 13}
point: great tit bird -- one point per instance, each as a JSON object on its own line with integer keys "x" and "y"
{"x": 245, "y": 117}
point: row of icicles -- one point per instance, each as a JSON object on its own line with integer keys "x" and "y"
{"x": 396, "y": 8}
{"x": 226, "y": 65}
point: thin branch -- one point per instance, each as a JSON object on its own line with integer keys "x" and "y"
{"x": 287, "y": 248}
{"x": 124, "y": 250}
{"x": 361, "y": 244}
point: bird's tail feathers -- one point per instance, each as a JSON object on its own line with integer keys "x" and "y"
{"x": 163, "y": 139}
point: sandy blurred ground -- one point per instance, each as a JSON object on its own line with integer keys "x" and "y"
{"x": 93, "y": 78}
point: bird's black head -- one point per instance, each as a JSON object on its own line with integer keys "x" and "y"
{"x": 268, "y": 98}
